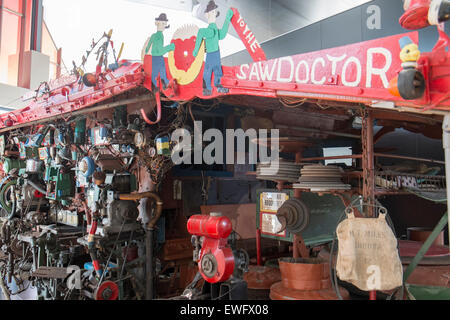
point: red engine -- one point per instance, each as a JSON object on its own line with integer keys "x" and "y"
{"x": 216, "y": 260}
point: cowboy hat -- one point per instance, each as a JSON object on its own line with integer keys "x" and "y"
{"x": 162, "y": 17}
{"x": 212, "y": 6}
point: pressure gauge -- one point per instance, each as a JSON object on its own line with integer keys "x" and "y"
{"x": 152, "y": 152}
{"x": 139, "y": 140}
{"x": 86, "y": 167}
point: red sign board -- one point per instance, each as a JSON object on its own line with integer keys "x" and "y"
{"x": 359, "y": 70}
{"x": 247, "y": 37}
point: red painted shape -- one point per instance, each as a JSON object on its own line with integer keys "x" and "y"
{"x": 247, "y": 37}
{"x": 96, "y": 265}
{"x": 38, "y": 195}
{"x": 209, "y": 226}
{"x": 93, "y": 229}
{"x": 416, "y": 16}
{"x": 108, "y": 290}
{"x": 75, "y": 96}
{"x": 357, "y": 73}
{"x": 183, "y": 53}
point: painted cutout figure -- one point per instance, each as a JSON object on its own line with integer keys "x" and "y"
{"x": 212, "y": 35}
{"x": 158, "y": 51}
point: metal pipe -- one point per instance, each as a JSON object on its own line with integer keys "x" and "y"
{"x": 4, "y": 289}
{"x": 149, "y": 265}
{"x": 93, "y": 250}
{"x": 151, "y": 195}
{"x": 355, "y": 156}
{"x": 378, "y": 155}
{"x": 149, "y": 270}
{"x": 258, "y": 246}
{"x": 392, "y": 156}
{"x": 13, "y": 207}
{"x": 446, "y": 145}
{"x": 36, "y": 187}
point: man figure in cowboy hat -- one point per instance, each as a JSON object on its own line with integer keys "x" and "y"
{"x": 212, "y": 35}
{"x": 156, "y": 42}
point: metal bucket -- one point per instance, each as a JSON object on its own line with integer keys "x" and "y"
{"x": 304, "y": 279}
{"x": 305, "y": 274}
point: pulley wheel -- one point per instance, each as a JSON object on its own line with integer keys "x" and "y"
{"x": 293, "y": 216}
{"x": 108, "y": 290}
{"x": 209, "y": 265}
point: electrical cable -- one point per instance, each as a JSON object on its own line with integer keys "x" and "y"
{"x": 292, "y": 103}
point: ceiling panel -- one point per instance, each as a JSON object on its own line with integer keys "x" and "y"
{"x": 267, "y": 18}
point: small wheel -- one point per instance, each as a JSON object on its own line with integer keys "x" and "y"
{"x": 108, "y": 290}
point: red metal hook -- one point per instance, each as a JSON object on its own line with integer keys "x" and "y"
{"x": 158, "y": 106}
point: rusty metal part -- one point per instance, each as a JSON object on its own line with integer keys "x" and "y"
{"x": 304, "y": 279}
{"x": 50, "y": 273}
{"x": 299, "y": 247}
{"x": 149, "y": 235}
{"x": 347, "y": 200}
{"x": 279, "y": 292}
{"x": 261, "y": 278}
{"x": 99, "y": 177}
{"x": 438, "y": 276}
{"x": 429, "y": 261}
{"x": 422, "y": 234}
{"x": 293, "y": 216}
{"x": 16, "y": 247}
{"x": 305, "y": 274}
{"x": 152, "y": 196}
{"x": 368, "y": 162}
{"x": 110, "y": 164}
{"x": 177, "y": 249}
{"x": 410, "y": 249}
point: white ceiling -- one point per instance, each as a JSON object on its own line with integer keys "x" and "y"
{"x": 267, "y": 18}
{"x": 74, "y": 24}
